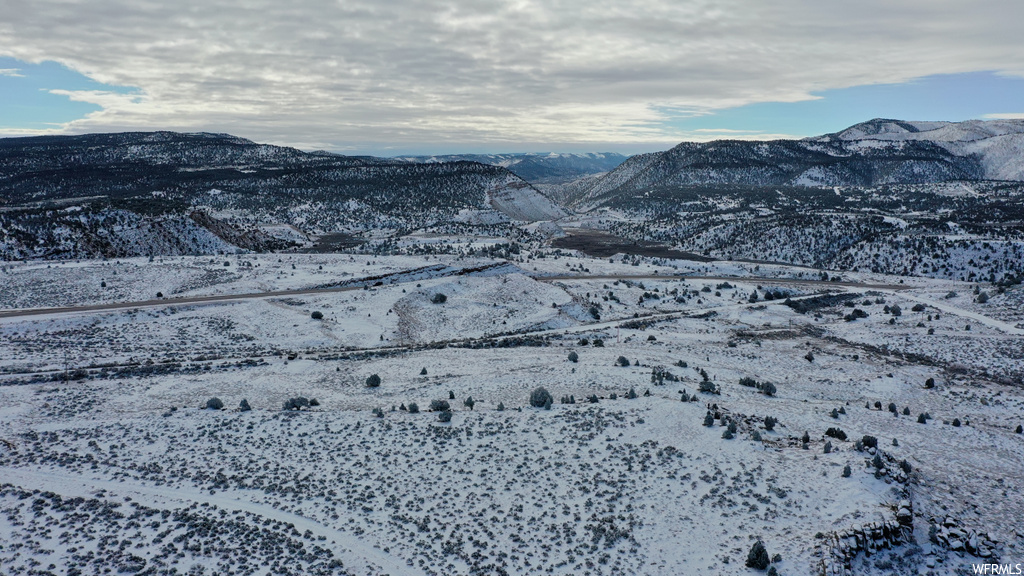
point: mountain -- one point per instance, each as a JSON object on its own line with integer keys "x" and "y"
{"x": 544, "y": 168}
{"x": 998, "y": 144}
{"x": 872, "y": 153}
{"x": 164, "y": 192}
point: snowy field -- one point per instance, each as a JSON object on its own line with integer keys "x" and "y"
{"x": 109, "y": 462}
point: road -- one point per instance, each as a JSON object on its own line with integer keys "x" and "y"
{"x": 190, "y": 300}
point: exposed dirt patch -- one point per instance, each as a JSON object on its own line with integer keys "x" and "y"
{"x": 602, "y": 245}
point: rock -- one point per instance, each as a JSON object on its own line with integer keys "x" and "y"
{"x": 955, "y": 544}
{"x": 949, "y": 522}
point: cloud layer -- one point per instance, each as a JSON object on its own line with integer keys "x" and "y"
{"x": 432, "y": 74}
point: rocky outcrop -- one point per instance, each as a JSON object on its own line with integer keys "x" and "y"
{"x": 838, "y": 549}
{"x": 948, "y": 533}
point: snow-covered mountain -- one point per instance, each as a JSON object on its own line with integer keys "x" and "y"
{"x": 543, "y": 167}
{"x": 872, "y": 153}
{"x": 164, "y": 192}
{"x": 999, "y": 144}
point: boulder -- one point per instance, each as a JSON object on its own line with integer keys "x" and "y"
{"x": 904, "y": 516}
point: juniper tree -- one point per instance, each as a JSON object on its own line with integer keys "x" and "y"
{"x": 373, "y": 381}
{"x": 574, "y": 357}
{"x": 769, "y": 423}
{"x": 758, "y": 556}
{"x": 439, "y": 405}
{"x": 709, "y": 419}
{"x": 214, "y": 403}
{"x": 244, "y": 405}
{"x": 847, "y": 471}
{"x": 836, "y": 433}
{"x": 540, "y": 397}
{"x": 414, "y": 408}
{"x": 622, "y": 361}
{"x": 444, "y": 416}
{"x": 296, "y": 403}
{"x": 468, "y": 402}
{"x": 501, "y": 406}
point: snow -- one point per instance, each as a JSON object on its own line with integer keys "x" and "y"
{"x": 624, "y": 486}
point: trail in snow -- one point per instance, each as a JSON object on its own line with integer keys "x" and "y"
{"x": 980, "y": 318}
{"x": 357, "y": 555}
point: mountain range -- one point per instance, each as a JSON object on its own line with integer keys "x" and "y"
{"x": 171, "y": 193}
{"x": 871, "y": 153}
{"x": 537, "y": 168}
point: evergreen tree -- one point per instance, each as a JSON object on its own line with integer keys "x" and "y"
{"x": 758, "y": 556}
{"x": 709, "y": 419}
{"x": 540, "y": 397}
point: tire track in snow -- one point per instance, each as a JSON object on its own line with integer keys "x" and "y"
{"x": 357, "y": 556}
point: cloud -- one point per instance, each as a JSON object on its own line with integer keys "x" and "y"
{"x": 366, "y": 75}
{"x": 1005, "y": 116}
{"x": 12, "y": 72}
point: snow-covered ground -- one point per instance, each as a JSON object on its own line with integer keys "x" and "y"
{"x": 108, "y": 459}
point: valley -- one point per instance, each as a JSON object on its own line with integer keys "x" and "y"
{"x": 221, "y": 357}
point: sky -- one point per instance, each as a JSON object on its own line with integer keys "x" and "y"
{"x": 441, "y": 76}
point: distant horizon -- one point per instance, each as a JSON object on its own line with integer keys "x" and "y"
{"x": 575, "y": 148}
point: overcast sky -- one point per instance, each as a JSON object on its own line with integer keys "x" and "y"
{"x": 441, "y": 76}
